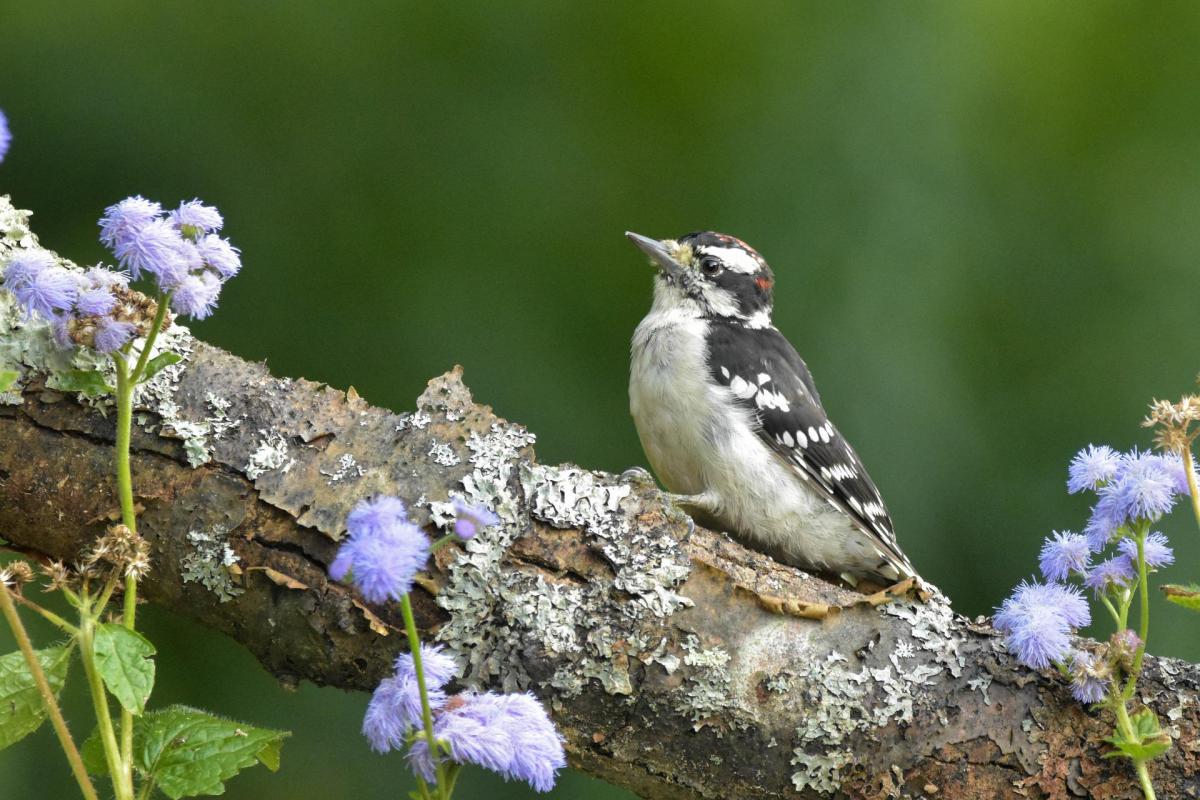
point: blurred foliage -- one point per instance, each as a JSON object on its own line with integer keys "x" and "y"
{"x": 982, "y": 218}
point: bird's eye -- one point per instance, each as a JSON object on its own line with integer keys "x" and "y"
{"x": 710, "y": 266}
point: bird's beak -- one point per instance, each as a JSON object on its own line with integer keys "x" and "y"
{"x": 659, "y": 252}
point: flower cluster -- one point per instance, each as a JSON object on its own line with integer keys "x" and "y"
{"x": 384, "y": 550}
{"x": 508, "y": 734}
{"x": 96, "y": 307}
{"x": 92, "y": 308}
{"x": 181, "y": 250}
{"x": 1040, "y": 620}
{"x": 5, "y": 136}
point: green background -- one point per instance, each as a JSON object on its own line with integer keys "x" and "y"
{"x": 982, "y": 216}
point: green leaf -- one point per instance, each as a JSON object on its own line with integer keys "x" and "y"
{"x": 123, "y": 658}
{"x": 190, "y": 752}
{"x": 85, "y": 381}
{"x": 1145, "y": 724}
{"x": 92, "y": 752}
{"x": 1148, "y": 739}
{"x": 7, "y": 378}
{"x": 159, "y": 363}
{"x": 21, "y": 707}
{"x": 1139, "y": 751}
{"x": 1186, "y": 596}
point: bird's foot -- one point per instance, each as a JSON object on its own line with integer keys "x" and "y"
{"x": 637, "y": 475}
{"x": 909, "y": 588}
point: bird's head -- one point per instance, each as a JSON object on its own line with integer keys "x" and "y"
{"x": 710, "y": 275}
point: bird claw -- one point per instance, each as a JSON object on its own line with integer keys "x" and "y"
{"x": 786, "y": 606}
{"x": 637, "y": 475}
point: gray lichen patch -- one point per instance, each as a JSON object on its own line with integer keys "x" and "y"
{"x": 26, "y": 343}
{"x": 847, "y": 698}
{"x": 708, "y": 691}
{"x": 503, "y": 613}
{"x": 271, "y": 453}
{"x": 346, "y": 468}
{"x": 209, "y": 562}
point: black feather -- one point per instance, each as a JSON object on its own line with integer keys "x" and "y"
{"x": 769, "y": 378}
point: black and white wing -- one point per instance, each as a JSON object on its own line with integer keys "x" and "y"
{"x": 767, "y": 376}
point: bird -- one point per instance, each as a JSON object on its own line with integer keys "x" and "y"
{"x": 731, "y": 421}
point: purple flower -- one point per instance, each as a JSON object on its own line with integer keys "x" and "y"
{"x": 1089, "y": 678}
{"x": 60, "y": 329}
{"x": 470, "y": 520}
{"x": 5, "y": 136}
{"x": 1038, "y": 619}
{"x": 470, "y": 741}
{"x": 1115, "y": 573}
{"x": 394, "y": 710}
{"x": 121, "y": 219}
{"x": 1031, "y": 598}
{"x": 47, "y": 291}
{"x": 1091, "y": 468}
{"x": 1062, "y": 554}
{"x": 24, "y": 266}
{"x": 112, "y": 334}
{"x": 193, "y": 218}
{"x": 1172, "y": 463}
{"x": 439, "y": 668}
{"x": 219, "y": 254}
{"x": 196, "y": 295}
{"x": 154, "y": 247}
{"x": 1158, "y": 553}
{"x": 508, "y": 734}
{"x": 537, "y": 747}
{"x": 375, "y": 515}
{"x": 95, "y": 301}
{"x": 1144, "y": 488}
{"x": 109, "y": 279}
{"x": 1040, "y": 641}
{"x": 395, "y": 707}
{"x": 384, "y": 550}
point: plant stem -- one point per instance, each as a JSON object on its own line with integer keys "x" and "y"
{"x": 49, "y": 615}
{"x": 1144, "y": 596}
{"x": 1112, "y": 610}
{"x": 121, "y": 771}
{"x": 414, "y": 648}
{"x": 125, "y": 384}
{"x": 441, "y": 542}
{"x": 1191, "y": 479}
{"x": 1143, "y": 774}
{"x": 48, "y": 699}
{"x": 159, "y": 315}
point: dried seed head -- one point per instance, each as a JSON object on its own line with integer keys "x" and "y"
{"x": 1122, "y": 647}
{"x": 1174, "y": 421}
{"x": 59, "y": 576}
{"x": 120, "y": 548}
{"x": 16, "y": 574}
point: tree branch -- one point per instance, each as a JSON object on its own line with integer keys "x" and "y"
{"x": 657, "y": 646}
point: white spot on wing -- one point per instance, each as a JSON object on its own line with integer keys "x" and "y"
{"x": 741, "y": 388}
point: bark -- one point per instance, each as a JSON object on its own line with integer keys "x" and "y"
{"x": 658, "y": 646}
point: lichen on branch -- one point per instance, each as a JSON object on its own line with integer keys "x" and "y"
{"x": 652, "y": 641}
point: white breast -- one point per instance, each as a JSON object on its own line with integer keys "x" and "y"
{"x": 668, "y": 397}
{"x": 700, "y": 443}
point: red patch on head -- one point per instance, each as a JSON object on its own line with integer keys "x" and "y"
{"x": 764, "y": 283}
